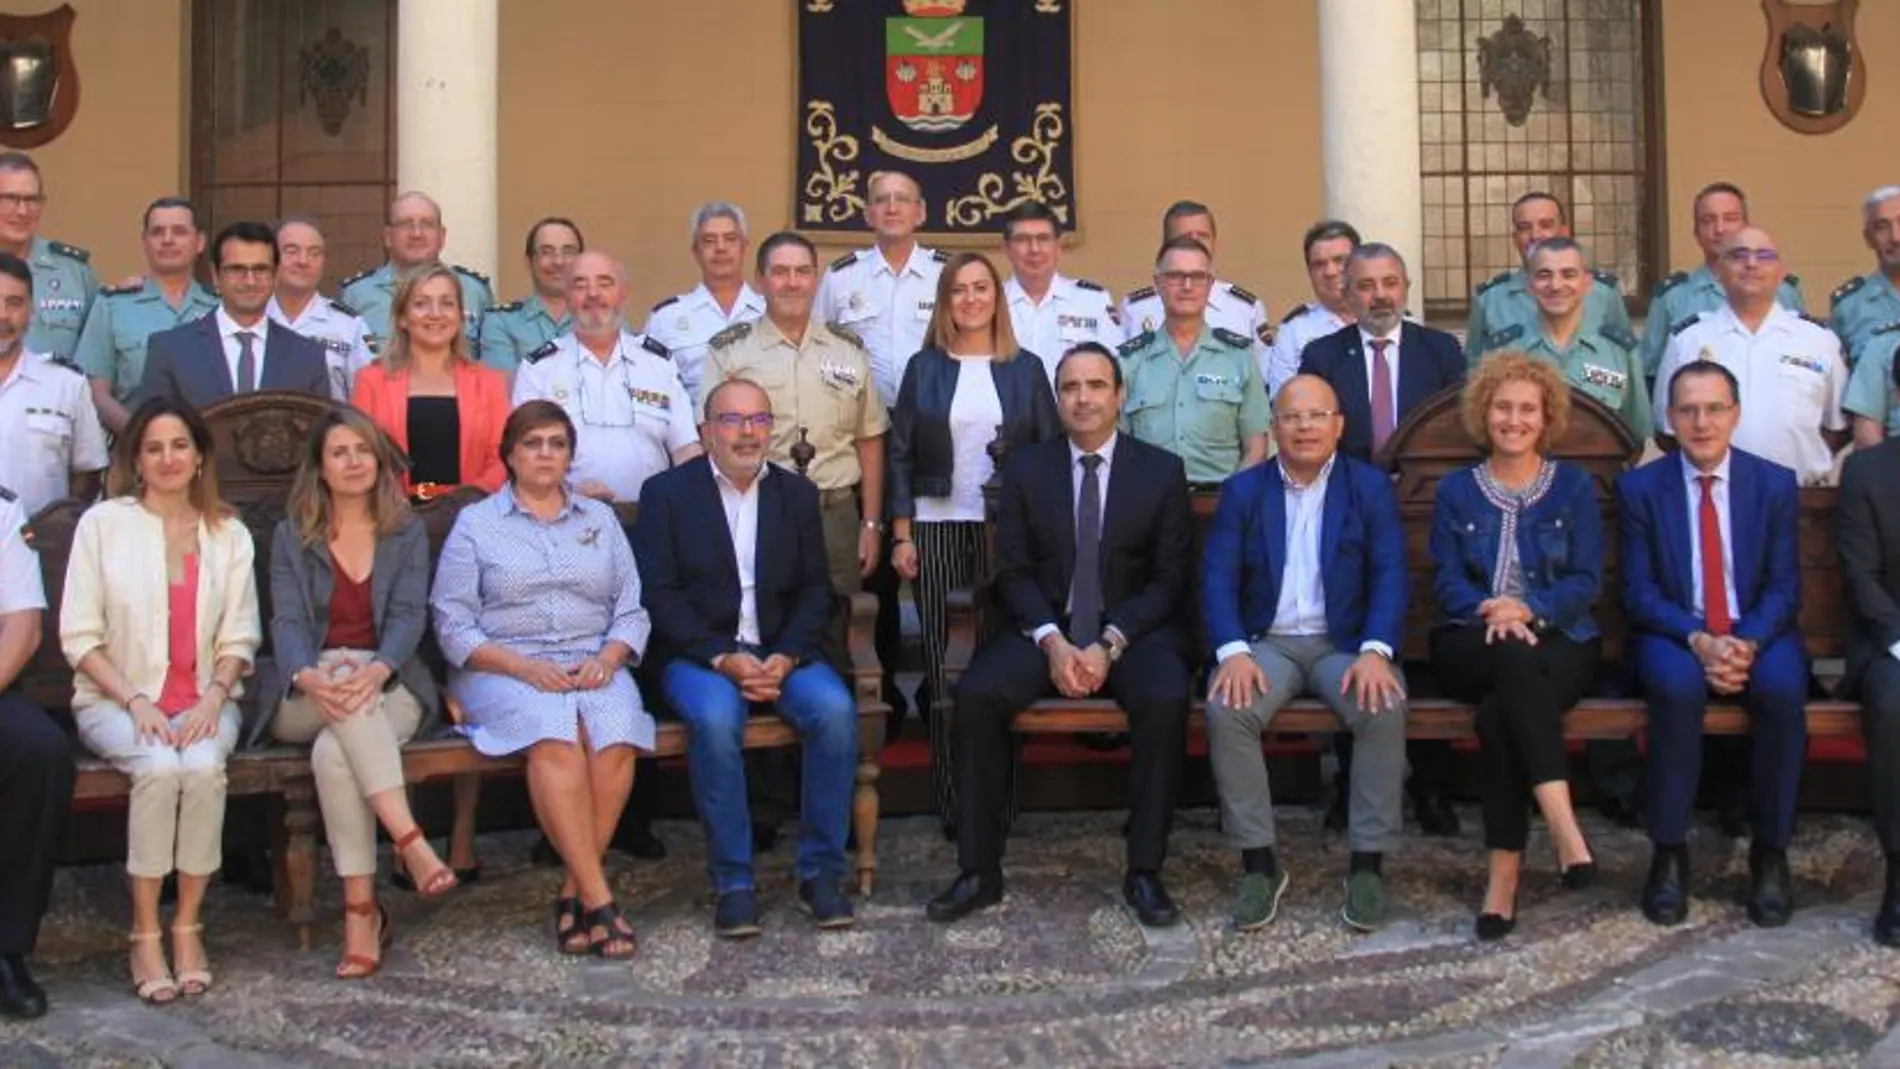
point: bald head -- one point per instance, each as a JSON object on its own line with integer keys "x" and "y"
{"x": 596, "y": 296}
{"x": 1307, "y": 425}
{"x": 1750, "y": 269}
{"x": 414, "y": 233}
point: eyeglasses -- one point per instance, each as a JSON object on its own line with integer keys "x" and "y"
{"x": 1741, "y": 256}
{"x": 13, "y": 202}
{"x": 1306, "y": 419}
{"x": 1184, "y": 279}
{"x": 257, "y": 272}
{"x": 886, "y": 200}
{"x": 1698, "y": 413}
{"x": 596, "y": 406}
{"x": 754, "y": 421}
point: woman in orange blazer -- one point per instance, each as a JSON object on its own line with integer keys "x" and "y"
{"x": 440, "y": 407}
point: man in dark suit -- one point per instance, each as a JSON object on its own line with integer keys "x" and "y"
{"x": 1093, "y": 537}
{"x": 1869, "y": 540}
{"x": 236, "y": 349}
{"x": 732, "y": 572}
{"x": 1382, "y": 367}
{"x": 1711, "y": 590}
{"x": 1304, "y": 593}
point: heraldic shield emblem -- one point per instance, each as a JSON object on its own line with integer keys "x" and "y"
{"x": 1813, "y": 76}
{"x": 933, "y": 61}
{"x": 39, "y": 85}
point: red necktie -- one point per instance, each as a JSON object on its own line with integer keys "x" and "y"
{"x": 1714, "y": 591}
{"x": 1383, "y": 419}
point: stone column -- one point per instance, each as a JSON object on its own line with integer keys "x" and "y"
{"x": 1369, "y": 123}
{"x": 446, "y": 107}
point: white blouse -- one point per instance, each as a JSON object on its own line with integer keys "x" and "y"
{"x": 975, "y": 412}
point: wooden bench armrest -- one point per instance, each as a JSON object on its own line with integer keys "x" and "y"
{"x": 867, "y": 672}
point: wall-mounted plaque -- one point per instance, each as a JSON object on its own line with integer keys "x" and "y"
{"x": 39, "y": 85}
{"x": 1812, "y": 74}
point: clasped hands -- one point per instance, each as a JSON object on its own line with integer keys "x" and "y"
{"x": 194, "y": 725}
{"x": 591, "y": 673}
{"x": 1507, "y": 618}
{"x": 1726, "y": 660}
{"x": 344, "y": 688}
{"x": 757, "y": 680}
{"x": 1076, "y": 672}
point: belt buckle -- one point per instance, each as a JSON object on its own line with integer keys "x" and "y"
{"x": 427, "y": 492}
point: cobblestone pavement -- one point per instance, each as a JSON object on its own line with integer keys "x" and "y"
{"x": 1060, "y": 975}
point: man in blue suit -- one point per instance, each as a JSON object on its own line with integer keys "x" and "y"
{"x": 732, "y": 571}
{"x": 1304, "y": 593}
{"x": 1711, "y": 589}
{"x": 1382, "y": 367}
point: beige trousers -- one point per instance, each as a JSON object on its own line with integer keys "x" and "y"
{"x": 352, "y": 759}
{"x": 176, "y": 815}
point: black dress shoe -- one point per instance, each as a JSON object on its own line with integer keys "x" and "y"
{"x": 1770, "y": 888}
{"x": 1887, "y": 921}
{"x": 1435, "y": 814}
{"x": 1145, "y": 895}
{"x": 1495, "y": 926}
{"x": 1666, "y": 892}
{"x": 971, "y": 892}
{"x": 20, "y": 997}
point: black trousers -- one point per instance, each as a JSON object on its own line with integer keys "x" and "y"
{"x": 36, "y": 789}
{"x": 1521, "y": 692}
{"x": 1879, "y": 692}
{"x": 1149, "y": 682}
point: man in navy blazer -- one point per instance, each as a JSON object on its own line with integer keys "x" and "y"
{"x": 1413, "y": 363}
{"x": 1304, "y": 593}
{"x": 732, "y": 572}
{"x": 236, "y": 349}
{"x": 1711, "y": 591}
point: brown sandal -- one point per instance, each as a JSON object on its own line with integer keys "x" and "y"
{"x": 361, "y": 966}
{"x": 441, "y": 881}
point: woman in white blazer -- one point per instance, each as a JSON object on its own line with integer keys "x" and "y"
{"x": 160, "y": 622}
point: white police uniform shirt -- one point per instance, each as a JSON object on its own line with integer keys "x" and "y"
{"x": 1303, "y": 324}
{"x": 1073, "y": 311}
{"x": 630, "y": 413}
{"x": 888, "y": 309}
{"x": 684, "y": 324}
{"x": 1792, "y": 375}
{"x": 1228, "y": 306}
{"x": 21, "y": 589}
{"x": 342, "y": 333}
{"x": 58, "y": 430}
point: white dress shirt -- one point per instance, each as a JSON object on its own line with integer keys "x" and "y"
{"x": 1300, "y": 327}
{"x": 687, "y": 322}
{"x": 975, "y": 411}
{"x": 1719, "y": 492}
{"x": 343, "y": 335}
{"x": 1366, "y": 338}
{"x": 53, "y": 430}
{"x": 742, "y": 520}
{"x": 1302, "y": 607}
{"x": 1071, "y": 312}
{"x": 20, "y": 586}
{"x": 1107, "y": 453}
{"x": 228, "y": 331}
{"x": 630, "y": 412}
{"x": 889, "y": 309}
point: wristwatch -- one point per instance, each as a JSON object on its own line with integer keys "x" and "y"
{"x": 874, "y": 525}
{"x": 1114, "y": 651}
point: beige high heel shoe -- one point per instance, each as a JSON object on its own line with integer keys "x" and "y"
{"x": 159, "y": 990}
{"x": 192, "y": 982}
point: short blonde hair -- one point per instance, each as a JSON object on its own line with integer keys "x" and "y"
{"x": 1513, "y": 366}
{"x": 396, "y": 352}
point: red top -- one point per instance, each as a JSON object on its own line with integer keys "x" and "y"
{"x": 352, "y": 615}
{"x": 181, "y": 675}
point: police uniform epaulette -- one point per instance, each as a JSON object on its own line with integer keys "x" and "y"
{"x": 670, "y": 300}
{"x": 120, "y": 291}
{"x": 65, "y": 362}
{"x": 1822, "y": 323}
{"x": 1085, "y": 284}
{"x": 511, "y": 306}
{"x": 358, "y": 277}
{"x": 940, "y": 256}
{"x": 546, "y": 350}
{"x": 844, "y": 332}
{"x": 1793, "y": 281}
{"x": 1238, "y": 341}
{"x": 1242, "y": 293}
{"x": 729, "y": 335}
{"x": 1887, "y": 328}
{"x": 1494, "y": 280}
{"x": 1298, "y": 310}
{"x": 844, "y": 261}
{"x": 1846, "y": 288}
{"x": 1503, "y": 336}
{"x": 1683, "y": 324}
{"x": 1135, "y": 344}
{"x": 1619, "y": 337}
{"x": 655, "y": 348}
{"x": 344, "y": 308}
{"x": 1670, "y": 282}
{"x": 1141, "y": 294}
{"x": 71, "y": 252}
{"x": 470, "y": 272}
{"x": 8, "y": 495}
{"x": 1608, "y": 278}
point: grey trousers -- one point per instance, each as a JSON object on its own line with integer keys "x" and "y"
{"x": 1310, "y": 665}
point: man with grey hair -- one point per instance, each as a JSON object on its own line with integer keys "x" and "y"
{"x": 295, "y": 303}
{"x": 1862, "y": 306}
{"x": 413, "y": 235}
{"x": 685, "y": 323}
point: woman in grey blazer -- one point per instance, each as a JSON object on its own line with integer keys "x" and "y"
{"x": 349, "y": 581}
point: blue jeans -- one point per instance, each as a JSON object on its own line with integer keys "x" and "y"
{"x": 816, "y": 703}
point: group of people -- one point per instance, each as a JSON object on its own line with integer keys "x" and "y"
{"x": 897, "y": 376}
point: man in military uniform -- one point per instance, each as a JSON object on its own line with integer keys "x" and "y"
{"x": 511, "y": 331}
{"x": 1597, "y": 358}
{"x": 413, "y": 236}
{"x": 632, "y": 417}
{"x": 112, "y": 346}
{"x": 1327, "y": 247}
{"x": 1228, "y": 305}
{"x": 1720, "y": 210}
{"x": 685, "y": 323}
{"x": 56, "y": 447}
{"x": 1506, "y": 300}
{"x": 1193, "y": 388}
{"x": 819, "y": 376}
{"x": 63, "y": 283}
{"x": 1866, "y": 303}
{"x": 1050, "y": 312}
{"x": 1792, "y": 375}
{"x": 295, "y": 303}
{"x": 886, "y": 294}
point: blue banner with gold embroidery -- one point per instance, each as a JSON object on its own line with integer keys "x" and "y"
{"x": 973, "y": 98}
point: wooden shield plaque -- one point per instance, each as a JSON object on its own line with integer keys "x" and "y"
{"x": 39, "y": 85}
{"x": 1813, "y": 75}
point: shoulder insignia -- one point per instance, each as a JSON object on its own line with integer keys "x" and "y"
{"x": 844, "y": 261}
{"x": 729, "y": 335}
{"x": 1822, "y": 323}
{"x": 670, "y": 300}
{"x": 1846, "y": 288}
{"x": 470, "y": 272}
{"x": 1141, "y": 294}
{"x": 1238, "y": 341}
{"x": 65, "y": 362}
{"x": 1683, "y": 324}
{"x": 940, "y": 256}
{"x": 844, "y": 332}
{"x": 1493, "y": 281}
{"x": 654, "y": 347}
{"x": 1671, "y": 282}
{"x": 1298, "y": 310}
{"x": 1243, "y": 294}
{"x": 1619, "y": 337}
{"x": 1608, "y": 278}
{"x": 511, "y": 306}
{"x": 344, "y": 308}
{"x": 1135, "y": 344}
{"x": 546, "y": 350}
{"x": 1793, "y": 281}
{"x": 120, "y": 291}
{"x": 1266, "y": 332}
{"x": 1503, "y": 336}
{"x": 8, "y": 495}
{"x": 71, "y": 252}
{"x": 1085, "y": 284}
{"x": 358, "y": 277}
{"x": 1887, "y": 328}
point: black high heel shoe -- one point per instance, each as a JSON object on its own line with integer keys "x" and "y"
{"x": 1494, "y": 926}
{"x": 1578, "y": 876}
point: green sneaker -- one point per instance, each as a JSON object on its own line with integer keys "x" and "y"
{"x": 1259, "y": 899}
{"x": 1364, "y": 910}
